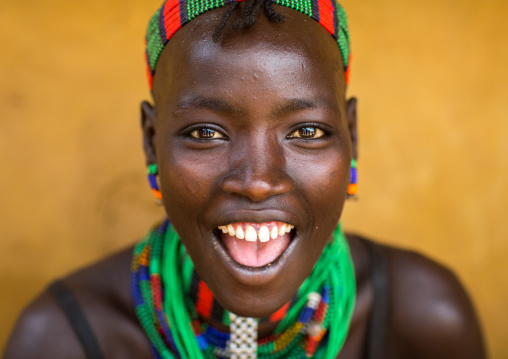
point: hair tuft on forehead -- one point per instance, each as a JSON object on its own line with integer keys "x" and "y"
{"x": 250, "y": 13}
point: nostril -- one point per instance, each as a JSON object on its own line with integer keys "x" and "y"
{"x": 256, "y": 187}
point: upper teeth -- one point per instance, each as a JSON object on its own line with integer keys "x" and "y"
{"x": 249, "y": 233}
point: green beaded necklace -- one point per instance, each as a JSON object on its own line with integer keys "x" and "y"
{"x": 161, "y": 265}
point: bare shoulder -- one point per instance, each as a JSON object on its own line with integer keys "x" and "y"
{"x": 431, "y": 313}
{"x": 37, "y": 329}
{"x": 102, "y": 292}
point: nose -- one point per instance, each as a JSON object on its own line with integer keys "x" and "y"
{"x": 257, "y": 170}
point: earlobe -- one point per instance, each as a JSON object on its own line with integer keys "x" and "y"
{"x": 149, "y": 133}
{"x": 352, "y": 124}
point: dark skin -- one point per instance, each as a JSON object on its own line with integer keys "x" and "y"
{"x": 254, "y": 92}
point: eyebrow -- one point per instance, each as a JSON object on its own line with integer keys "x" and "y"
{"x": 287, "y": 107}
{"x": 209, "y": 103}
{"x": 295, "y": 105}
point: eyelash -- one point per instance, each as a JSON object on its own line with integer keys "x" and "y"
{"x": 326, "y": 132}
{"x": 188, "y": 133}
{"x": 317, "y": 126}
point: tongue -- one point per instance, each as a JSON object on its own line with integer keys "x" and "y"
{"x": 255, "y": 254}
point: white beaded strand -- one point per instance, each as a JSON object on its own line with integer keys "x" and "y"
{"x": 244, "y": 337}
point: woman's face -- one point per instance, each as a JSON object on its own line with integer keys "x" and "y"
{"x": 251, "y": 134}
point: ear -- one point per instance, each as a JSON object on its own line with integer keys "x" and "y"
{"x": 148, "y": 128}
{"x": 352, "y": 124}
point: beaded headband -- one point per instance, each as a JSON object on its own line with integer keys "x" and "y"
{"x": 175, "y": 13}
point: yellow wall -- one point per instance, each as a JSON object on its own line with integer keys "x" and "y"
{"x": 431, "y": 78}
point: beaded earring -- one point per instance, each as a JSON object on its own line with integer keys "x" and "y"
{"x": 152, "y": 172}
{"x": 352, "y": 188}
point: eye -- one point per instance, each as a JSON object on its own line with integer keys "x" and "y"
{"x": 204, "y": 133}
{"x": 307, "y": 132}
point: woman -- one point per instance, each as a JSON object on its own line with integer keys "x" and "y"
{"x": 253, "y": 145}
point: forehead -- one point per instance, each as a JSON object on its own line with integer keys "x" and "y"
{"x": 291, "y": 53}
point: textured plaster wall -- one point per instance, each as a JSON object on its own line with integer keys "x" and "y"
{"x": 431, "y": 78}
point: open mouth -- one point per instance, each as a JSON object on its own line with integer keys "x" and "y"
{"x": 256, "y": 244}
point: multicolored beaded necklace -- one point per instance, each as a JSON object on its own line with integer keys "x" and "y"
{"x": 314, "y": 324}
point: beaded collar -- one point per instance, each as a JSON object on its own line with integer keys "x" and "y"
{"x": 314, "y": 324}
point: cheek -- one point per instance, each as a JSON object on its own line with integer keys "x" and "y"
{"x": 187, "y": 182}
{"x": 324, "y": 181}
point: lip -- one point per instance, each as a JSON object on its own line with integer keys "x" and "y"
{"x": 256, "y": 216}
{"x": 254, "y": 276}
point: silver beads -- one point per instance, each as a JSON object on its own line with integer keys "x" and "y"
{"x": 244, "y": 337}
{"x": 313, "y": 299}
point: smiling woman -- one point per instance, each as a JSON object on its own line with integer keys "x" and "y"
{"x": 255, "y": 169}
{"x": 251, "y": 146}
